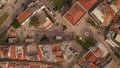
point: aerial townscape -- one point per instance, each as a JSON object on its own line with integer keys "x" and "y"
{"x": 59, "y": 33}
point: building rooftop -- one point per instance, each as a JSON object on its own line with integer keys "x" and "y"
{"x": 24, "y": 15}
{"x": 20, "y": 52}
{"x": 49, "y": 66}
{"x": 90, "y": 57}
{"x": 74, "y": 14}
{"x": 92, "y": 66}
{"x": 41, "y": 57}
{"x": 103, "y": 51}
{"x": 47, "y": 23}
{"x": 117, "y": 38}
{"x": 13, "y": 52}
{"x": 113, "y": 64}
{"x": 69, "y": 52}
{"x": 88, "y": 4}
{"x": 25, "y": 52}
{"x": 98, "y": 52}
{"x": 58, "y": 55}
{"x": 48, "y": 53}
{"x": 24, "y": 65}
{"x": 3, "y": 65}
{"x": 113, "y": 5}
{"x": 95, "y": 57}
{"x": 117, "y": 2}
{"x": 11, "y": 65}
{"x": 116, "y": 28}
{"x": 104, "y": 13}
{"x": 34, "y": 65}
{"x": 4, "y": 52}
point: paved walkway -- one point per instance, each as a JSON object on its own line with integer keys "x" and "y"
{"x": 78, "y": 27}
{"x": 11, "y": 9}
{"x": 8, "y": 21}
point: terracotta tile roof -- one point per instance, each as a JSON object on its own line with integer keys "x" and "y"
{"x": 74, "y": 14}
{"x": 24, "y": 15}
{"x": 111, "y": 14}
{"x": 60, "y": 59}
{"x": 110, "y": 10}
{"x": 39, "y": 53}
{"x": 115, "y": 28}
{"x": 88, "y": 4}
{"x": 57, "y": 52}
{"x": 98, "y": 53}
{"x": 24, "y": 52}
{"x": 20, "y": 57}
{"x": 82, "y": 61}
{"x": 117, "y": 2}
{"x": 91, "y": 57}
{"x": 13, "y": 52}
{"x": 49, "y": 66}
{"x": 34, "y": 65}
{"x": 25, "y": 65}
{"x": 92, "y": 66}
{"x": 104, "y": 13}
{"x": 10, "y": 65}
{"x": 56, "y": 47}
{"x": 1, "y": 52}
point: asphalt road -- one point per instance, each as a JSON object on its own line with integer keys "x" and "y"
{"x": 57, "y": 64}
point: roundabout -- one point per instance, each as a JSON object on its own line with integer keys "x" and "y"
{"x": 86, "y": 33}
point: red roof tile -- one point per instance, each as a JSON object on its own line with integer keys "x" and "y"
{"x": 90, "y": 57}
{"x": 92, "y": 66}
{"x": 58, "y": 54}
{"x": 19, "y": 57}
{"x": 23, "y": 66}
{"x": 34, "y": 65}
{"x": 88, "y": 4}
{"x": 49, "y": 66}
{"x": 116, "y": 28}
{"x": 110, "y": 10}
{"x": 39, "y": 53}
{"x": 13, "y": 52}
{"x": 24, "y": 15}
{"x": 24, "y": 52}
{"x": 74, "y": 14}
{"x": 1, "y": 52}
{"x": 56, "y": 47}
{"x": 82, "y": 61}
{"x": 11, "y": 65}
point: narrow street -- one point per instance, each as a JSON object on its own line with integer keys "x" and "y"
{"x": 56, "y": 64}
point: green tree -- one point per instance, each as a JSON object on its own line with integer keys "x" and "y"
{"x": 57, "y": 4}
{"x": 85, "y": 44}
{"x": 34, "y": 21}
{"x": 16, "y": 24}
